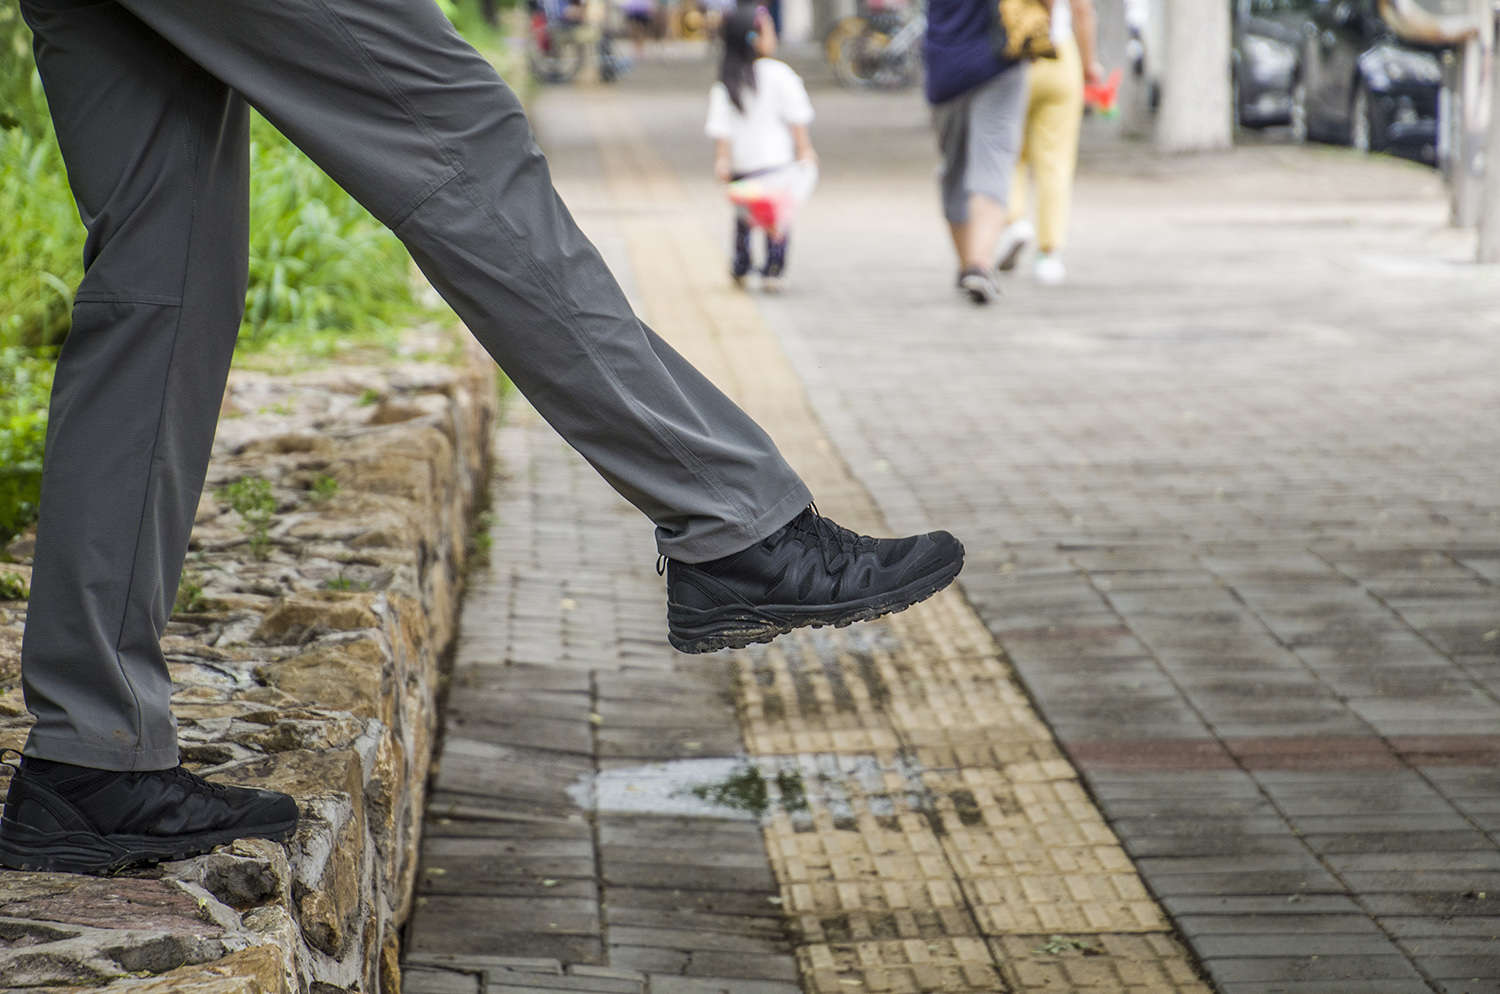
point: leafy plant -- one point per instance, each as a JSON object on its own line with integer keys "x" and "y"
{"x": 25, "y": 383}
{"x": 1059, "y": 944}
{"x": 251, "y": 498}
{"x": 324, "y": 488}
{"x": 342, "y": 582}
{"x": 13, "y": 587}
{"x": 744, "y": 789}
{"x": 369, "y": 397}
{"x": 190, "y": 595}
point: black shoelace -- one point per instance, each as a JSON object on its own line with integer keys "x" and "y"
{"x": 839, "y": 545}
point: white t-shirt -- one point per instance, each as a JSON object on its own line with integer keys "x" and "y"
{"x": 760, "y": 137}
{"x": 1062, "y": 22}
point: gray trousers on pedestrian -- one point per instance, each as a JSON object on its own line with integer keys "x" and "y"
{"x": 979, "y": 135}
{"x": 150, "y": 102}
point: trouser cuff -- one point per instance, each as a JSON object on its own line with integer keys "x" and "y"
{"x": 734, "y": 538}
{"x": 60, "y": 750}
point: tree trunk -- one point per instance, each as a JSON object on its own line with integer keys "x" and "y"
{"x": 1195, "y": 113}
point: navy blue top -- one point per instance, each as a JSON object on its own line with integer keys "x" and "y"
{"x": 957, "y": 47}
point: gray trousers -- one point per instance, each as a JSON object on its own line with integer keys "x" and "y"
{"x": 979, "y": 135}
{"x": 149, "y": 98}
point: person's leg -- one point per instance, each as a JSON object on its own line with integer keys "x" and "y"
{"x": 741, "y": 266}
{"x": 158, "y": 158}
{"x": 1019, "y": 200}
{"x": 385, "y": 96}
{"x": 950, "y": 120}
{"x": 997, "y": 115}
{"x": 1054, "y": 137}
{"x": 776, "y": 253}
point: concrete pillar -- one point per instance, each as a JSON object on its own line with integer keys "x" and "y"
{"x": 1195, "y": 113}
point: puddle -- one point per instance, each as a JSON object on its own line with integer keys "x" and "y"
{"x": 740, "y": 789}
{"x": 670, "y": 788}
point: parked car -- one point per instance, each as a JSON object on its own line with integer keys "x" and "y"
{"x": 1268, "y": 37}
{"x": 1361, "y": 86}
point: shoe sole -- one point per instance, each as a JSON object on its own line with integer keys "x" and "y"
{"x": 22, "y": 848}
{"x": 735, "y": 628}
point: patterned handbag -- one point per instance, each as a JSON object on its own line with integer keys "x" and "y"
{"x": 1023, "y": 30}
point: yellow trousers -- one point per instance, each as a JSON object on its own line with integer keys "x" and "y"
{"x": 1050, "y": 145}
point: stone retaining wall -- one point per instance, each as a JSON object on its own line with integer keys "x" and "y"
{"x": 313, "y": 670}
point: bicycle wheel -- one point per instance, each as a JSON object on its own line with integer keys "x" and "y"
{"x": 858, "y": 59}
{"x": 833, "y": 43}
{"x": 559, "y": 63}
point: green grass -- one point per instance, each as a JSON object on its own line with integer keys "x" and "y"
{"x": 251, "y": 498}
{"x": 326, "y": 278}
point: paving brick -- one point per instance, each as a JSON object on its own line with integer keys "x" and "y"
{"x": 664, "y": 984}
{"x": 1276, "y": 925}
{"x": 1349, "y": 969}
{"x": 1365, "y": 986}
{"x": 419, "y": 981}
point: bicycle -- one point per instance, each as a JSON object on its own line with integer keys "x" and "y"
{"x": 881, "y": 50}
{"x": 558, "y": 41}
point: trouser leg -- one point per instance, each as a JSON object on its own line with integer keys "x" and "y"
{"x": 776, "y": 252}
{"x": 406, "y": 116}
{"x": 157, "y": 154}
{"x": 741, "y": 244}
{"x": 1054, "y": 135}
{"x": 1020, "y": 194}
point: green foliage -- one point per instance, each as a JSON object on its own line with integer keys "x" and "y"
{"x": 324, "y": 488}
{"x": 251, "y": 498}
{"x": 342, "y": 582}
{"x": 1056, "y": 945}
{"x": 13, "y": 587}
{"x": 190, "y": 595}
{"x": 39, "y": 226}
{"x": 25, "y": 383}
{"x": 744, "y": 789}
{"x": 793, "y": 790}
{"x": 369, "y": 396}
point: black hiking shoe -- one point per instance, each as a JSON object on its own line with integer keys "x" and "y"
{"x": 811, "y": 573}
{"x": 74, "y": 819}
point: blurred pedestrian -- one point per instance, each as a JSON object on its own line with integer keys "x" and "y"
{"x": 758, "y": 116}
{"x": 1049, "y": 146}
{"x": 640, "y": 20}
{"x": 151, "y": 102}
{"x": 978, "y": 100}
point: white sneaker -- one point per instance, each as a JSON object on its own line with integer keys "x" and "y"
{"x": 1049, "y": 270}
{"x": 1013, "y": 242}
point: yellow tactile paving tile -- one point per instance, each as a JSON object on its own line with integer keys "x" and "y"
{"x": 1137, "y": 964}
{"x": 945, "y": 843}
{"x": 902, "y": 966}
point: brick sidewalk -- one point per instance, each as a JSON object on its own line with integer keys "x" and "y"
{"x": 919, "y": 828}
{"x": 1232, "y": 501}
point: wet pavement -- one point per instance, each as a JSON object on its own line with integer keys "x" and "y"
{"x": 1232, "y": 505}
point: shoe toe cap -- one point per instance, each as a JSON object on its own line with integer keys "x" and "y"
{"x": 937, "y": 552}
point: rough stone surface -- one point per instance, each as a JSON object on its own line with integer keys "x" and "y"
{"x": 313, "y": 671}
